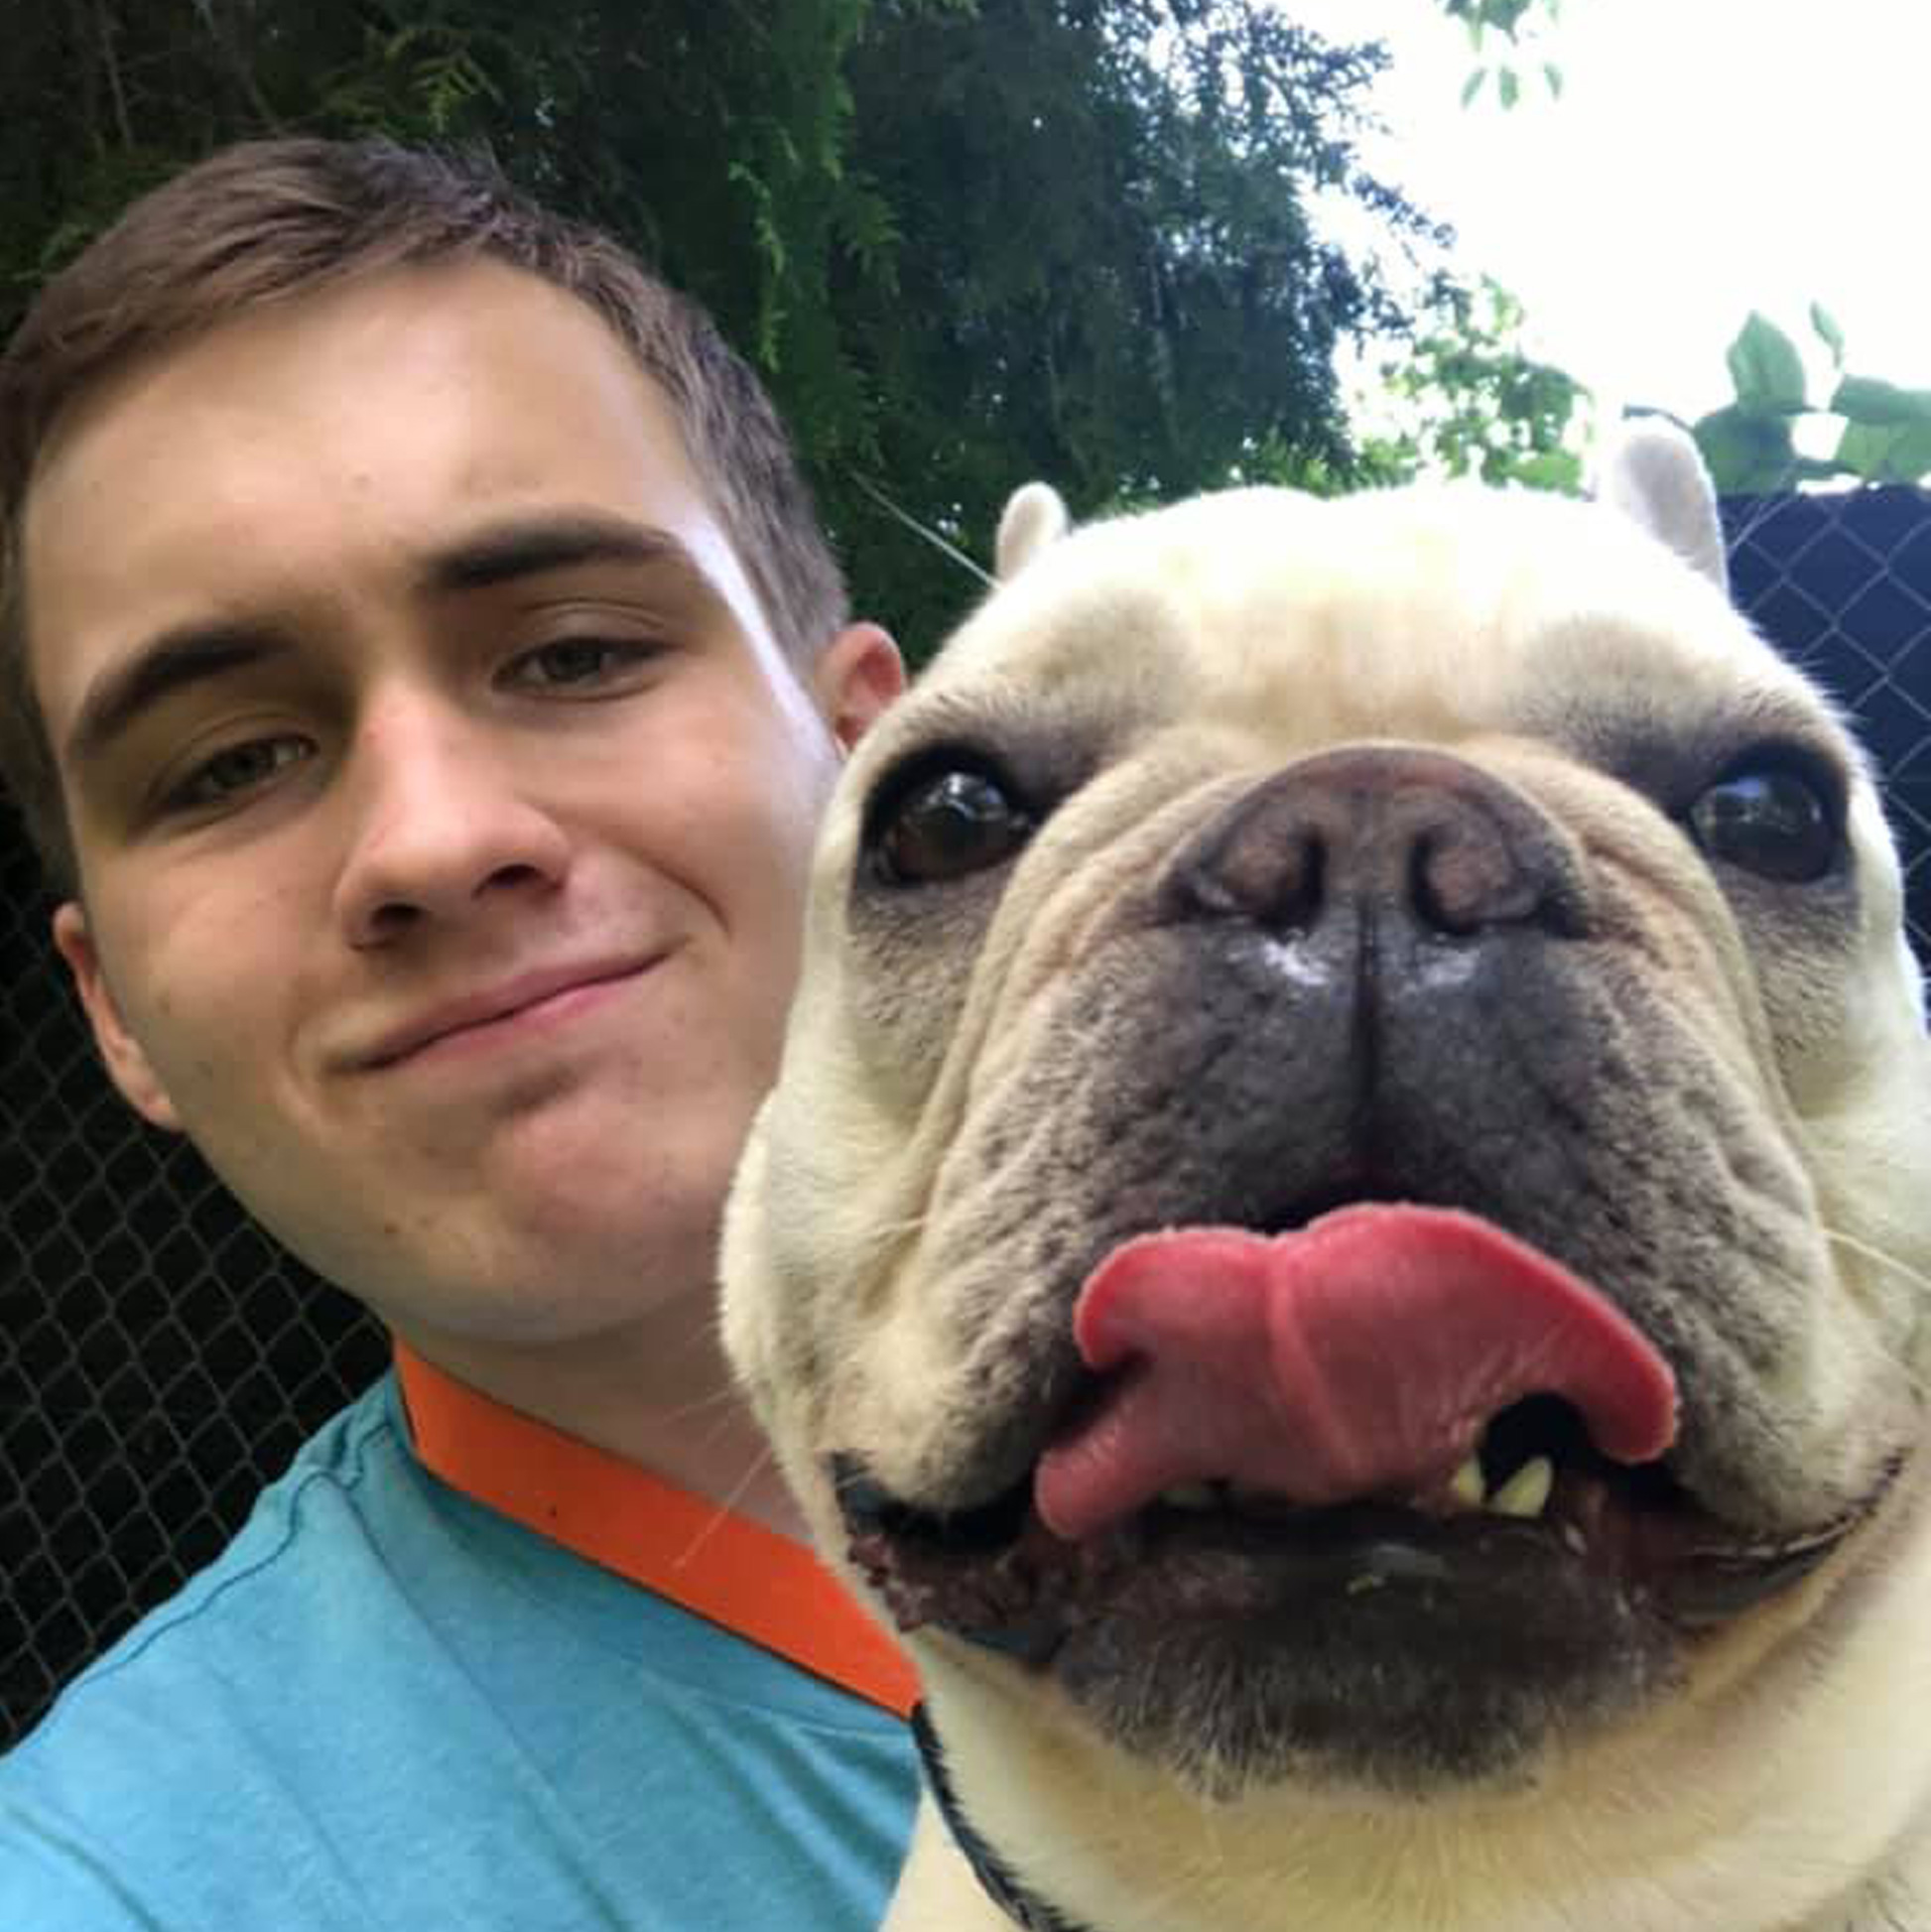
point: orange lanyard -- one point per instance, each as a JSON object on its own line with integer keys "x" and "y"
{"x": 705, "y": 1559}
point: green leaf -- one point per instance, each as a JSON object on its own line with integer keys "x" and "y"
{"x": 1767, "y": 369}
{"x": 1554, "y": 470}
{"x": 1553, "y": 75}
{"x": 1816, "y": 470}
{"x": 1862, "y": 449}
{"x": 1911, "y": 458}
{"x": 1472, "y": 86}
{"x": 1899, "y": 453}
{"x": 1509, "y": 85}
{"x": 1825, "y": 323}
{"x": 1865, "y": 398}
{"x": 1749, "y": 455}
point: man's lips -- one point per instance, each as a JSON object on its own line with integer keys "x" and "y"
{"x": 469, "y": 1013}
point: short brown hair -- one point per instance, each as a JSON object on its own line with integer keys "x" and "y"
{"x": 265, "y": 220}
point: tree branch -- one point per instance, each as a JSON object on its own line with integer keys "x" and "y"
{"x": 107, "y": 27}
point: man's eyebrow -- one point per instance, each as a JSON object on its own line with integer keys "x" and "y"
{"x": 528, "y": 546}
{"x": 190, "y": 654}
{"x": 197, "y": 653}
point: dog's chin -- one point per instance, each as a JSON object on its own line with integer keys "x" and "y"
{"x": 1406, "y": 1646}
{"x": 1365, "y": 1655}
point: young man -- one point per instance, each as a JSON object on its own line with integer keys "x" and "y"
{"x": 423, "y": 670}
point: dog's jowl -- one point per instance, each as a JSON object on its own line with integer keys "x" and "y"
{"x": 1343, "y": 1238}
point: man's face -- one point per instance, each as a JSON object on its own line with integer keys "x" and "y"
{"x": 440, "y": 795}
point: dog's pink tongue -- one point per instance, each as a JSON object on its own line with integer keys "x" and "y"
{"x": 1360, "y": 1355}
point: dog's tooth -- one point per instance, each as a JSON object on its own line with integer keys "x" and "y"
{"x": 1573, "y": 1537}
{"x": 1467, "y": 1485}
{"x": 1525, "y": 1493}
{"x": 1190, "y": 1495}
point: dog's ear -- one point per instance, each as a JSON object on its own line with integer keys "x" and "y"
{"x": 1034, "y": 517}
{"x": 1653, "y": 471}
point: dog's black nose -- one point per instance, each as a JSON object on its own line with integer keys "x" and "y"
{"x": 1381, "y": 839}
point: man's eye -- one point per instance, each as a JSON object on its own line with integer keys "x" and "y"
{"x": 239, "y": 769}
{"x": 572, "y": 662}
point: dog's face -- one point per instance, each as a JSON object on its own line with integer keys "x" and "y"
{"x": 1347, "y": 1209}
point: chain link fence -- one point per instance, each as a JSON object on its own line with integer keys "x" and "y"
{"x": 159, "y": 1359}
{"x": 1842, "y": 584}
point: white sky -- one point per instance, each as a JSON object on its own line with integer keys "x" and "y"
{"x": 1706, "y": 157}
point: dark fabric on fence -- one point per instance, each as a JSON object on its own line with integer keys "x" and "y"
{"x": 159, "y": 1359}
{"x": 1842, "y": 584}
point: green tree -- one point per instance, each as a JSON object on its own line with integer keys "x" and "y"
{"x": 1467, "y": 400}
{"x": 1111, "y": 276}
{"x": 966, "y": 241}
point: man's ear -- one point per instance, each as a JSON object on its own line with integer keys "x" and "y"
{"x": 120, "y": 1052}
{"x": 860, "y": 673}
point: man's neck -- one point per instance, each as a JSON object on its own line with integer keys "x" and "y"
{"x": 660, "y": 1395}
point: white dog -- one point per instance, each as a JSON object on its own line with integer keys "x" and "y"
{"x": 1344, "y": 1239}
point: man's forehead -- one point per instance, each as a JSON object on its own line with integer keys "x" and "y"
{"x": 350, "y": 424}
{"x": 463, "y": 331}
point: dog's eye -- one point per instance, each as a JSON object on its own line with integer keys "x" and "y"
{"x": 1773, "y": 815}
{"x": 947, "y": 826}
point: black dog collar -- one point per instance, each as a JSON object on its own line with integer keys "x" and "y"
{"x": 995, "y": 1879}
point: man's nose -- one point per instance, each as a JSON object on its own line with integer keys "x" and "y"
{"x": 443, "y": 825}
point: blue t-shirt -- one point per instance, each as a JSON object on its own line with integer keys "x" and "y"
{"x": 385, "y": 1706}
